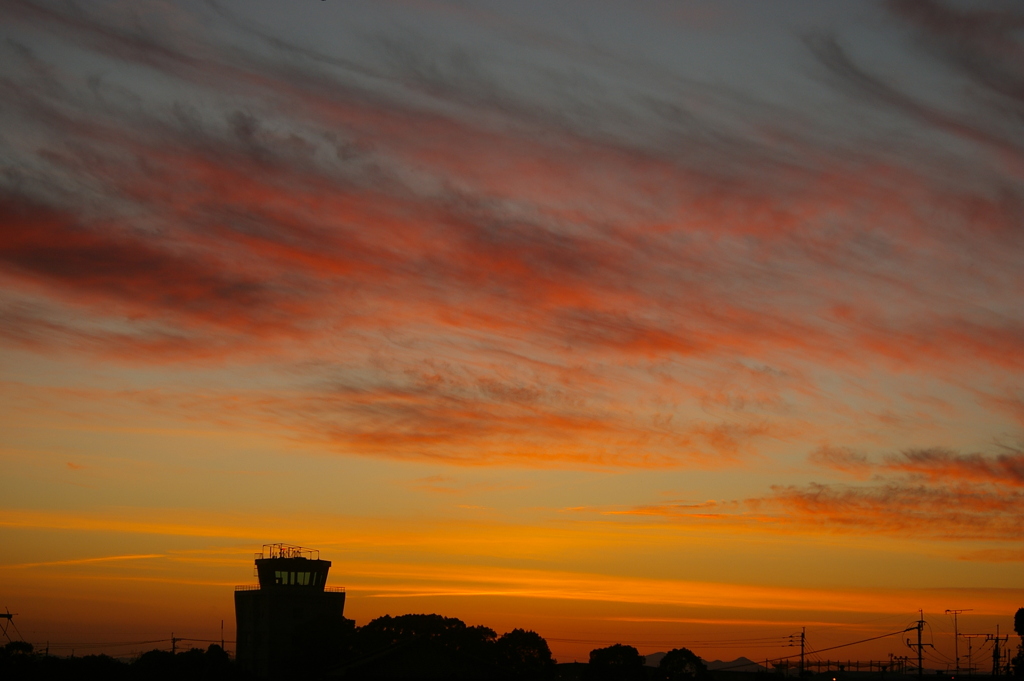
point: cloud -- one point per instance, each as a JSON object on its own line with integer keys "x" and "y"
{"x": 712, "y": 509}
{"x": 1010, "y": 404}
{"x": 962, "y": 513}
{"x": 467, "y": 425}
{"x": 943, "y": 465}
{"x": 978, "y": 40}
{"x": 930, "y": 494}
{"x": 455, "y": 581}
{"x": 933, "y": 465}
{"x": 253, "y": 204}
{"x": 842, "y": 459}
{"x": 86, "y": 561}
{"x": 414, "y": 226}
{"x": 957, "y": 513}
{"x": 93, "y": 263}
{"x": 835, "y": 58}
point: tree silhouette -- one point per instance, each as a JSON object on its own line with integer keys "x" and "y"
{"x": 18, "y": 648}
{"x": 680, "y": 664}
{"x": 422, "y": 646}
{"x": 195, "y": 663}
{"x": 1018, "y": 660}
{"x": 616, "y": 663}
{"x": 524, "y": 654}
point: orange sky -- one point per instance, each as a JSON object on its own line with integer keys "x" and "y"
{"x": 689, "y": 324}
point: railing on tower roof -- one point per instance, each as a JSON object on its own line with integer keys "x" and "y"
{"x": 256, "y": 587}
{"x": 287, "y": 551}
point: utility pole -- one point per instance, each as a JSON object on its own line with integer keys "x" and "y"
{"x": 803, "y": 636}
{"x": 222, "y": 634}
{"x": 956, "y": 636}
{"x": 995, "y": 654}
{"x": 996, "y": 657}
{"x": 919, "y": 645}
{"x": 174, "y": 644}
{"x": 970, "y": 650}
{"x": 792, "y": 642}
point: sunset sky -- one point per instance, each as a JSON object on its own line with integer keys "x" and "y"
{"x": 663, "y": 323}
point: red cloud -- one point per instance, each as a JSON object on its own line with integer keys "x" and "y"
{"x": 841, "y": 459}
{"x": 270, "y": 215}
{"x": 961, "y": 512}
{"x": 958, "y": 512}
{"x": 100, "y": 262}
{"x": 937, "y": 494}
{"x": 367, "y": 224}
{"x": 943, "y": 465}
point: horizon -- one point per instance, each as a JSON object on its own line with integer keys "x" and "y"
{"x": 689, "y": 321}
{"x": 821, "y": 644}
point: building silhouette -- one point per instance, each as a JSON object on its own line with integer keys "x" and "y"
{"x": 291, "y": 620}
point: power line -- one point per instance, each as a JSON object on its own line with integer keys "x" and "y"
{"x": 115, "y": 644}
{"x": 863, "y": 640}
{"x": 121, "y": 644}
{"x": 823, "y": 650}
{"x": 776, "y": 642}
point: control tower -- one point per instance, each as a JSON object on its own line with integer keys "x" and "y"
{"x": 291, "y": 620}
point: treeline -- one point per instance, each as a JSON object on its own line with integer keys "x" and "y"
{"x": 404, "y": 647}
{"x": 18, "y": 660}
{"x": 436, "y": 647}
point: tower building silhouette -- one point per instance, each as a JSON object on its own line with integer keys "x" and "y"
{"x": 291, "y": 620}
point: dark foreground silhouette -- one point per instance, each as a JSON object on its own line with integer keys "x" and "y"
{"x": 406, "y": 647}
{"x": 19, "y": 661}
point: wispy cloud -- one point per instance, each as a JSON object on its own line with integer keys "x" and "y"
{"x": 943, "y": 465}
{"x": 842, "y": 459}
{"x": 927, "y": 494}
{"x": 412, "y": 221}
{"x": 452, "y": 581}
{"x": 957, "y": 513}
{"x": 86, "y": 561}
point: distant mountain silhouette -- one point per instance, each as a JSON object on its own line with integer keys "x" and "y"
{"x": 653, "y": 659}
{"x": 740, "y": 664}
